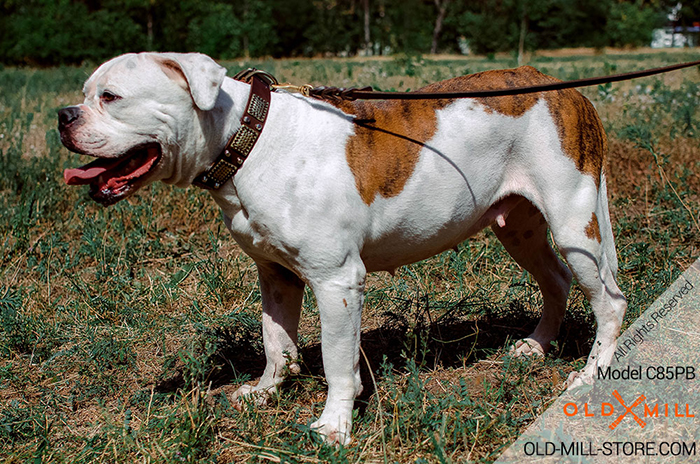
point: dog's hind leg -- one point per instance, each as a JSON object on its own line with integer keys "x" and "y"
{"x": 524, "y": 235}
{"x": 580, "y": 224}
{"x": 282, "y": 292}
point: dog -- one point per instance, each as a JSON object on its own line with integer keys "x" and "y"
{"x": 332, "y": 191}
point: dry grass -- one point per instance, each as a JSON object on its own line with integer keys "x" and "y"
{"x": 122, "y": 331}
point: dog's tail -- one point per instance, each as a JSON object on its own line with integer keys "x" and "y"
{"x": 606, "y": 233}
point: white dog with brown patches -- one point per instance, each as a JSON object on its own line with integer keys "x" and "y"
{"x": 332, "y": 192}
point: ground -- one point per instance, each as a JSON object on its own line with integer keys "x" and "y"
{"x": 122, "y": 330}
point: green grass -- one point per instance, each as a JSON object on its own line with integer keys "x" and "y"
{"x": 123, "y": 330}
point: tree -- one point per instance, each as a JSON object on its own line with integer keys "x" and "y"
{"x": 629, "y": 23}
{"x": 50, "y": 32}
{"x": 368, "y": 42}
{"x": 502, "y": 25}
{"x": 441, "y": 6}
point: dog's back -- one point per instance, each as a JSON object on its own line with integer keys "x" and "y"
{"x": 389, "y": 135}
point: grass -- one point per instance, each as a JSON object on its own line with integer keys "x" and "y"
{"x": 123, "y": 330}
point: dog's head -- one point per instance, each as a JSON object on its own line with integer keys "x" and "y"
{"x": 141, "y": 113}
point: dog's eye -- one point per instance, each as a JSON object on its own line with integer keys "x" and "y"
{"x": 108, "y": 96}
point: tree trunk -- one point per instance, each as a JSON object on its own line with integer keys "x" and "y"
{"x": 246, "y": 38}
{"x": 368, "y": 45}
{"x": 149, "y": 27}
{"x": 442, "y": 12}
{"x": 523, "y": 30}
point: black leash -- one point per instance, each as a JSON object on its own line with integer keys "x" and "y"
{"x": 366, "y": 93}
{"x": 253, "y": 120}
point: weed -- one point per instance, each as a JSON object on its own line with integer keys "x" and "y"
{"x": 108, "y": 352}
{"x": 24, "y": 333}
{"x": 124, "y": 331}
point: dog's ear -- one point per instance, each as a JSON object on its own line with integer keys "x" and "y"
{"x": 198, "y": 73}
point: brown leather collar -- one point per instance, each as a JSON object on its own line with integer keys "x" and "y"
{"x": 243, "y": 140}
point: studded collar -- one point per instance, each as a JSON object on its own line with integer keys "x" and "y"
{"x": 243, "y": 140}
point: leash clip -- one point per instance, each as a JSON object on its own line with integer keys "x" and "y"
{"x": 248, "y": 74}
{"x": 305, "y": 89}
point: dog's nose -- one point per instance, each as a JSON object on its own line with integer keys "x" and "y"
{"x": 68, "y": 115}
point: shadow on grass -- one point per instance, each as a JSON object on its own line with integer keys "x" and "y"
{"x": 465, "y": 333}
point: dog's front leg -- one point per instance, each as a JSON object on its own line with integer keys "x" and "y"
{"x": 282, "y": 292}
{"x": 339, "y": 297}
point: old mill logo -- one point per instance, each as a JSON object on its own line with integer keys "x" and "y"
{"x": 608, "y": 410}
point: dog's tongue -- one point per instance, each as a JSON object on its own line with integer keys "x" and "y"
{"x": 90, "y": 172}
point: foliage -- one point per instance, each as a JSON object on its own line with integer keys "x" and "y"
{"x": 495, "y": 25}
{"x": 630, "y": 23}
{"x": 51, "y": 32}
{"x": 62, "y": 31}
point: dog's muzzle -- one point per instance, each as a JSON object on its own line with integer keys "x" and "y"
{"x": 68, "y": 115}
{"x": 68, "y": 118}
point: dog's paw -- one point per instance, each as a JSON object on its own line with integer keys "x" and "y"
{"x": 335, "y": 430}
{"x": 249, "y": 393}
{"x": 578, "y": 379}
{"x": 528, "y": 347}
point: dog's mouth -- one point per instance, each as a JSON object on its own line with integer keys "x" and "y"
{"x": 113, "y": 179}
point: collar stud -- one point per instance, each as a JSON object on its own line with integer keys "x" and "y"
{"x": 243, "y": 140}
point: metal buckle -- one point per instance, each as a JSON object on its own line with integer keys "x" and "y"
{"x": 247, "y": 75}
